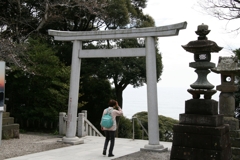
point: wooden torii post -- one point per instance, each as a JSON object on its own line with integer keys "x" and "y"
{"x": 149, "y": 51}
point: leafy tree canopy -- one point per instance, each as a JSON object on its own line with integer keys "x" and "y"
{"x": 47, "y": 69}
{"x": 44, "y": 93}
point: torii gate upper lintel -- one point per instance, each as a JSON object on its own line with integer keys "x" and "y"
{"x": 149, "y": 51}
{"x": 162, "y": 31}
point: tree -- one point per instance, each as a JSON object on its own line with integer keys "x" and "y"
{"x": 20, "y": 20}
{"x": 127, "y": 71}
{"x": 96, "y": 94}
{"x": 165, "y": 125}
{"x": 222, "y": 9}
{"x": 125, "y": 129}
{"x": 43, "y": 94}
{"x": 124, "y": 71}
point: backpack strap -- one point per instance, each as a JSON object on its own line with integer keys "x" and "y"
{"x": 109, "y": 111}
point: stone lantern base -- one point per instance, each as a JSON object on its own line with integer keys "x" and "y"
{"x": 201, "y": 133}
{"x": 235, "y": 141}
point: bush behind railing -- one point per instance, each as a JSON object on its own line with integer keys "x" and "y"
{"x": 42, "y": 125}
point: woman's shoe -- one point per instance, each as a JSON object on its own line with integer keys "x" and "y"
{"x": 104, "y": 152}
{"x": 110, "y": 155}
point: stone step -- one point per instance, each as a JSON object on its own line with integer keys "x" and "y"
{"x": 235, "y": 142}
{"x": 6, "y": 114}
{"x": 10, "y": 131}
{"x": 235, "y": 134}
{"x": 7, "y": 121}
{"x": 235, "y": 153}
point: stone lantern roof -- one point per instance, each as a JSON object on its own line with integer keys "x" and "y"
{"x": 202, "y": 44}
{"x": 228, "y": 67}
{"x": 227, "y": 64}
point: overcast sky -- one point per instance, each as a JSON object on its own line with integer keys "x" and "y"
{"x": 175, "y": 59}
{"x": 176, "y": 72}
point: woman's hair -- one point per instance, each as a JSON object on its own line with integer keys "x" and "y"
{"x": 112, "y": 103}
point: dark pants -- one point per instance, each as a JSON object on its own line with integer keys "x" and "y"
{"x": 110, "y": 135}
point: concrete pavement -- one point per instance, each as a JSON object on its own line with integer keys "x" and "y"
{"x": 90, "y": 150}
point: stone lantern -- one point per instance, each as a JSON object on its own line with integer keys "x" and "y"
{"x": 228, "y": 67}
{"x": 202, "y": 49}
{"x": 201, "y": 133}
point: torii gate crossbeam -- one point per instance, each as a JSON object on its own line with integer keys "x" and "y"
{"x": 150, "y": 53}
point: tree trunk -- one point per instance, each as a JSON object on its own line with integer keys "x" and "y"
{"x": 119, "y": 94}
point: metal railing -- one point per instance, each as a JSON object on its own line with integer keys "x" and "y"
{"x": 140, "y": 123}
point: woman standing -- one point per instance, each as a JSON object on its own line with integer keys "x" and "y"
{"x": 110, "y": 132}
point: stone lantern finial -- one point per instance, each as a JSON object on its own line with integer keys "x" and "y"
{"x": 202, "y": 31}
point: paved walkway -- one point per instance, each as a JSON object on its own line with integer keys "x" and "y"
{"x": 90, "y": 150}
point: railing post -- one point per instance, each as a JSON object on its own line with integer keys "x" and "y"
{"x": 133, "y": 127}
{"x": 90, "y": 131}
{"x": 80, "y": 125}
{"x": 85, "y": 113}
{"x": 62, "y": 123}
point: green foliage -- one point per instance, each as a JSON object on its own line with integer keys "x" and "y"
{"x": 39, "y": 88}
{"x": 138, "y": 131}
{"x": 42, "y": 94}
{"x": 165, "y": 125}
{"x": 55, "y": 132}
{"x": 124, "y": 128}
{"x": 118, "y": 14}
{"x": 22, "y": 131}
{"x": 97, "y": 93}
{"x": 18, "y": 18}
{"x": 25, "y": 17}
{"x": 145, "y": 21}
{"x": 128, "y": 71}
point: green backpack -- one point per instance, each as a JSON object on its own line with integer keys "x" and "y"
{"x": 107, "y": 121}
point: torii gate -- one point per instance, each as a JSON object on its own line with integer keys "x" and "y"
{"x": 149, "y": 51}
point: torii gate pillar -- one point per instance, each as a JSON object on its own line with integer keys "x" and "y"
{"x": 149, "y": 34}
